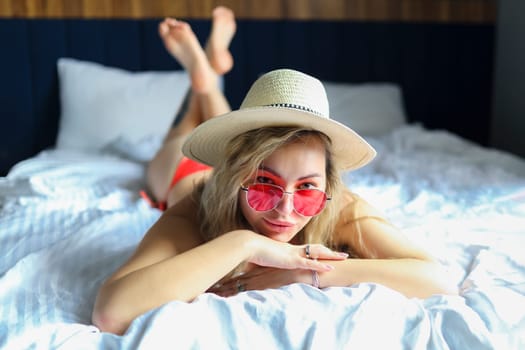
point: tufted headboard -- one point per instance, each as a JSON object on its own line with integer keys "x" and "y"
{"x": 444, "y": 70}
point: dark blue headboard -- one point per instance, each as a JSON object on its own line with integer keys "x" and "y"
{"x": 445, "y": 70}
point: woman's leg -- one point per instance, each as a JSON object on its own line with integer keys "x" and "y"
{"x": 163, "y": 165}
{"x": 222, "y": 32}
{"x": 204, "y": 101}
{"x": 220, "y": 59}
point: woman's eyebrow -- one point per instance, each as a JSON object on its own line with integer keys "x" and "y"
{"x": 275, "y": 173}
{"x": 270, "y": 170}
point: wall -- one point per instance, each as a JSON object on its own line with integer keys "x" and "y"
{"x": 508, "y": 124}
{"x": 478, "y": 11}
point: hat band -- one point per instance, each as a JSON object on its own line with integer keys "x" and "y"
{"x": 294, "y": 106}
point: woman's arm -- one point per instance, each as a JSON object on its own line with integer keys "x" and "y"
{"x": 167, "y": 265}
{"x": 412, "y": 277}
{"x": 394, "y": 262}
{"x": 386, "y": 256}
{"x": 172, "y": 263}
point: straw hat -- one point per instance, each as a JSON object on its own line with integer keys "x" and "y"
{"x": 281, "y": 97}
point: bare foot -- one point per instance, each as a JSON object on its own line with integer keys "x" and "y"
{"x": 181, "y": 43}
{"x": 222, "y": 31}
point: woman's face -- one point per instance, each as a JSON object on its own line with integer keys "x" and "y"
{"x": 298, "y": 165}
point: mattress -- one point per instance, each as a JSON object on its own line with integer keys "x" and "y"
{"x": 68, "y": 219}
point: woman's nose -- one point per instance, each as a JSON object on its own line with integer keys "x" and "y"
{"x": 286, "y": 206}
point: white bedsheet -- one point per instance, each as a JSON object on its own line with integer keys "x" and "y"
{"x": 67, "y": 220}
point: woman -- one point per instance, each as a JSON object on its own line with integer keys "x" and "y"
{"x": 273, "y": 211}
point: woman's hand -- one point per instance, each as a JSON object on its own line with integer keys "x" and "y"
{"x": 270, "y": 253}
{"x": 274, "y": 264}
{"x": 259, "y": 278}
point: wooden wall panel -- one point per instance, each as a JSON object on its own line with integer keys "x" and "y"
{"x": 474, "y": 11}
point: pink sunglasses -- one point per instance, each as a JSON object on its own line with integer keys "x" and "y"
{"x": 265, "y": 197}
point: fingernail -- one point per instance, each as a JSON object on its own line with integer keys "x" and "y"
{"x": 345, "y": 255}
{"x": 329, "y": 267}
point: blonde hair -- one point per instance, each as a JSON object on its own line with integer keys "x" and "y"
{"x": 219, "y": 208}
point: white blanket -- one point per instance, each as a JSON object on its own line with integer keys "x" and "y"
{"x": 67, "y": 220}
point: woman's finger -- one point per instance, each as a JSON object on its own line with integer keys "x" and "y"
{"x": 318, "y": 251}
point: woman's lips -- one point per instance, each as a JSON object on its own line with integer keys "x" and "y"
{"x": 277, "y": 225}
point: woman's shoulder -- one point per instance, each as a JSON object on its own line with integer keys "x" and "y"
{"x": 353, "y": 220}
{"x": 353, "y": 206}
{"x": 187, "y": 207}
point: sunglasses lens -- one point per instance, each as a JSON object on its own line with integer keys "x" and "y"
{"x": 263, "y": 197}
{"x": 309, "y": 202}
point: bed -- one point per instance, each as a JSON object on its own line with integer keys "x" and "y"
{"x": 71, "y": 213}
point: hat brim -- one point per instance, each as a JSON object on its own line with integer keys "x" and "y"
{"x": 207, "y": 142}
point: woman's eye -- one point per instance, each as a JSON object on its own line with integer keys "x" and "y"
{"x": 307, "y": 185}
{"x": 264, "y": 180}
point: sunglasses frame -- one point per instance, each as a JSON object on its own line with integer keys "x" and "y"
{"x": 247, "y": 188}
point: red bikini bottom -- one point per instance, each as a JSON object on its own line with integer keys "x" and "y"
{"x": 186, "y": 167}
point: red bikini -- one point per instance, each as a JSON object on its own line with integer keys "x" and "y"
{"x": 186, "y": 167}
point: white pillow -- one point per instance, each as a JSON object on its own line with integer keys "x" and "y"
{"x": 370, "y": 109}
{"x": 100, "y": 104}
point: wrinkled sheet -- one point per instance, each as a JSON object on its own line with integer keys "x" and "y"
{"x": 68, "y": 219}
